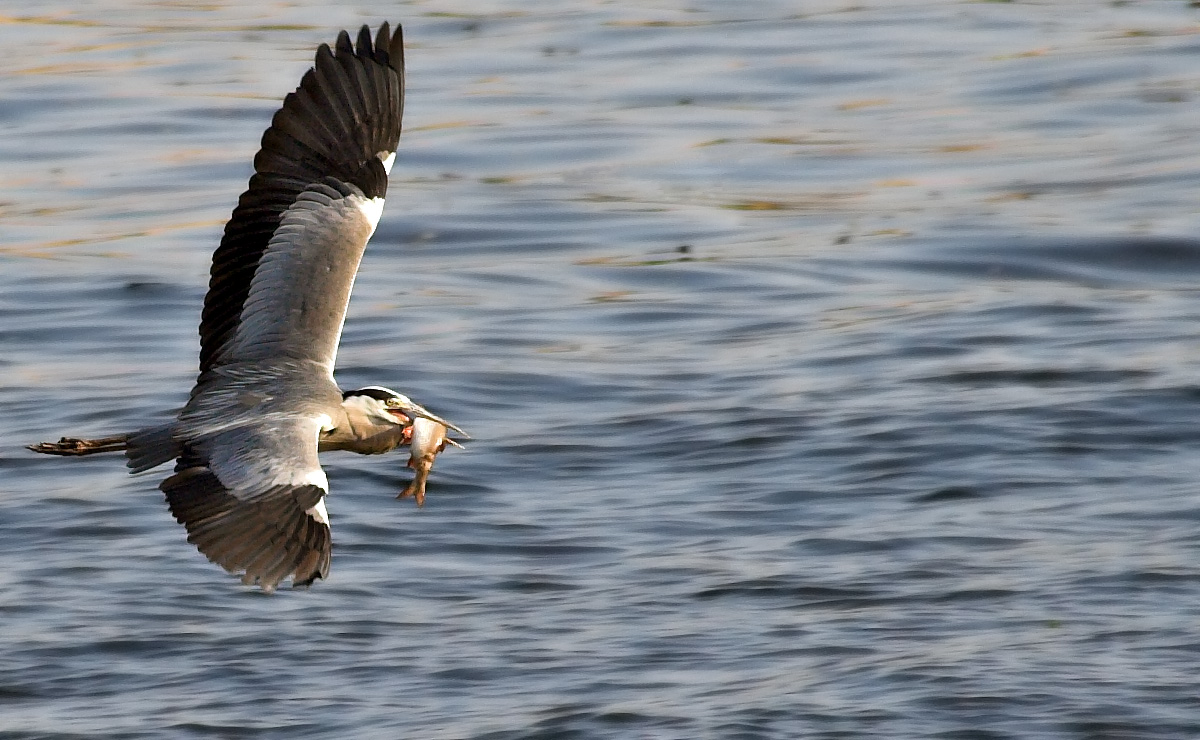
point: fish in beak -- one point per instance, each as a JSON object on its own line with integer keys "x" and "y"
{"x": 428, "y": 439}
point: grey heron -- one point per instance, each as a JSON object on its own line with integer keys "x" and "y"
{"x": 248, "y": 485}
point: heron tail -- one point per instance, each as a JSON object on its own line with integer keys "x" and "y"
{"x": 151, "y": 447}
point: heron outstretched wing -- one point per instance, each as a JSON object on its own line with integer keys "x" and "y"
{"x": 282, "y": 275}
{"x": 252, "y": 500}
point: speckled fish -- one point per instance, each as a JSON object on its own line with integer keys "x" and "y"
{"x": 428, "y": 439}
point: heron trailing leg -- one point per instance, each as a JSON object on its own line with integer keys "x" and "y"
{"x": 74, "y": 446}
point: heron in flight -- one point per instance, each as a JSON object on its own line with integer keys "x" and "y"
{"x": 248, "y": 485}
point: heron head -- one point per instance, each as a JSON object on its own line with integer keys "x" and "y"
{"x": 385, "y": 406}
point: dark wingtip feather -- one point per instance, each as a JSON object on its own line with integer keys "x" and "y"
{"x": 324, "y": 54}
{"x": 396, "y": 50}
{"x": 382, "y": 42}
{"x": 365, "y": 48}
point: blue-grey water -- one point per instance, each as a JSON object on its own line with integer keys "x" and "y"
{"x": 833, "y": 368}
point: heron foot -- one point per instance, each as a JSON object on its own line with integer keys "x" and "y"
{"x": 75, "y": 446}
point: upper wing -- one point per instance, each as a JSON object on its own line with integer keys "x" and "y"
{"x": 252, "y": 500}
{"x": 312, "y": 203}
{"x": 298, "y": 296}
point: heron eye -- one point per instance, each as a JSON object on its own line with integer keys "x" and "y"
{"x": 392, "y": 403}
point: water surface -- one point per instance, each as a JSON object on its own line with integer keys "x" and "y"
{"x": 832, "y": 368}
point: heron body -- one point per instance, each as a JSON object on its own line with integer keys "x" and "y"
{"x": 248, "y": 485}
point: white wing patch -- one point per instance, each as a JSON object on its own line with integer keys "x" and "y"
{"x": 319, "y": 513}
{"x": 313, "y": 478}
{"x": 388, "y": 161}
{"x": 371, "y": 209}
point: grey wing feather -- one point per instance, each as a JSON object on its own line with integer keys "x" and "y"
{"x": 251, "y": 460}
{"x": 298, "y": 297}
